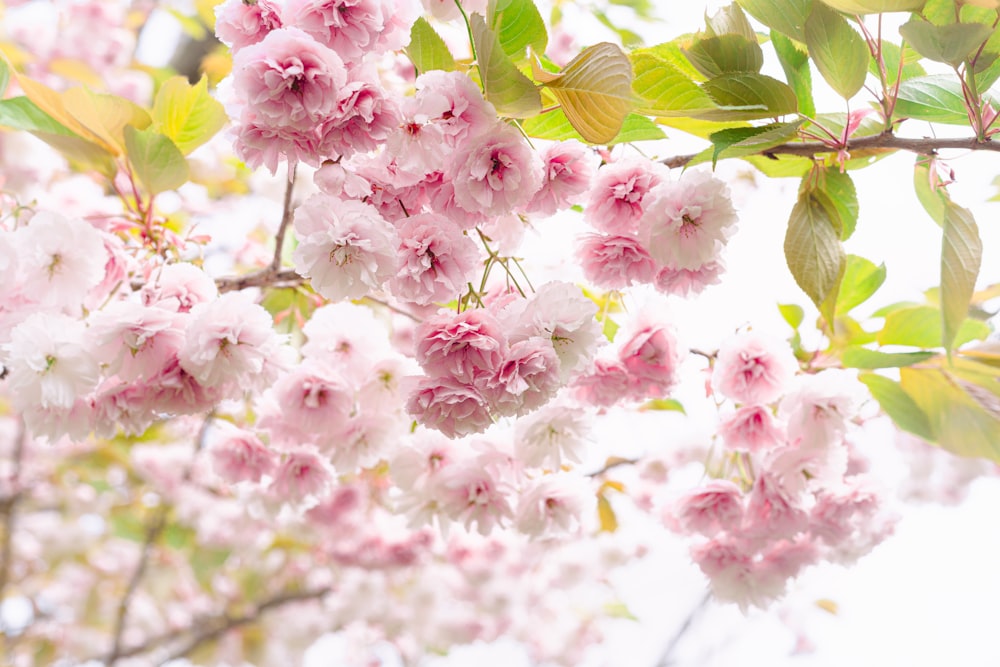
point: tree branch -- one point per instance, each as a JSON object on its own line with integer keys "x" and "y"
{"x": 286, "y": 218}
{"x": 268, "y": 277}
{"x": 152, "y": 534}
{"x": 221, "y": 625}
{"x": 667, "y": 657}
{"x": 884, "y": 141}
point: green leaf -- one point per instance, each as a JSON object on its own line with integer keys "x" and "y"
{"x": 595, "y": 91}
{"x": 664, "y": 405}
{"x": 740, "y": 141}
{"x": 950, "y": 44}
{"x": 4, "y": 77}
{"x": 875, "y": 6}
{"x": 891, "y": 53}
{"x": 781, "y": 166}
{"x": 630, "y": 39}
{"x": 723, "y": 54}
{"x": 748, "y": 97}
{"x": 813, "y": 250}
{"x": 933, "y": 198}
{"x": 792, "y": 313}
{"x": 920, "y": 326}
{"x": 156, "y": 161}
{"x": 899, "y": 405}
{"x": 663, "y": 89}
{"x": 672, "y": 53}
{"x": 861, "y": 280}
{"x": 105, "y": 116}
{"x": 786, "y": 16}
{"x": 795, "y": 63}
{"x": 937, "y": 98}
{"x": 860, "y": 357}
{"x": 518, "y": 25}
{"x": 729, "y": 20}
{"x": 512, "y": 93}
{"x": 840, "y": 189}
{"x": 187, "y": 114}
{"x": 427, "y": 51}
{"x": 554, "y": 125}
{"x": 961, "y": 256}
{"x": 962, "y": 417}
{"x": 838, "y": 50}
{"x": 609, "y": 329}
{"x": 20, "y": 113}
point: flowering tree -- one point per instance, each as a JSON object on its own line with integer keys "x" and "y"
{"x": 367, "y": 410}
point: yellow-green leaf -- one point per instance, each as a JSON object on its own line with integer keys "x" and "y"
{"x": 875, "y": 6}
{"x": 951, "y": 43}
{"x": 813, "y": 250}
{"x": 861, "y": 280}
{"x": 899, "y": 405}
{"x": 518, "y": 25}
{"x": 595, "y": 91}
{"x": 512, "y": 93}
{"x": 427, "y": 50}
{"x": 747, "y": 96}
{"x": 961, "y": 256}
{"x": 156, "y": 161}
{"x": 838, "y": 50}
{"x": 920, "y": 326}
{"x": 663, "y": 89}
{"x": 606, "y": 515}
{"x": 187, "y": 114}
{"x": 786, "y": 16}
{"x": 105, "y": 116}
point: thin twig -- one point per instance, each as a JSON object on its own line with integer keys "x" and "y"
{"x": 394, "y": 309}
{"x": 286, "y": 218}
{"x": 264, "y": 278}
{"x": 8, "y": 506}
{"x": 613, "y": 463}
{"x": 887, "y": 141}
{"x": 224, "y": 624}
{"x": 667, "y": 657}
{"x": 156, "y": 527}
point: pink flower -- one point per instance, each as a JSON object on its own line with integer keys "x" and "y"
{"x": 240, "y": 456}
{"x": 568, "y": 169}
{"x": 311, "y": 401}
{"x": 259, "y": 144}
{"x": 345, "y": 248}
{"x": 685, "y": 282}
{"x": 772, "y": 513}
{"x": 365, "y": 116}
{"x": 753, "y": 368}
{"x": 552, "y": 505}
{"x": 436, "y": 259}
{"x": 752, "y": 428}
{"x": 449, "y": 406}
{"x": 615, "y": 262}
{"x": 560, "y": 312}
{"x": 353, "y": 28}
{"x": 819, "y": 408}
{"x": 454, "y": 104}
{"x": 136, "y": 341}
{"x": 178, "y": 288}
{"x": 495, "y": 172}
{"x": 288, "y": 80}
{"x": 617, "y": 196}
{"x": 729, "y": 567}
{"x": 651, "y": 357}
{"x": 239, "y": 23}
{"x": 712, "y": 507}
{"x": 551, "y": 435}
{"x": 466, "y": 346}
{"x": 231, "y": 342}
{"x": 301, "y": 474}
{"x": 475, "y": 494}
{"x": 49, "y": 362}
{"x": 784, "y": 561}
{"x": 605, "y": 385}
{"x": 686, "y": 222}
{"x": 60, "y": 259}
{"x": 525, "y": 380}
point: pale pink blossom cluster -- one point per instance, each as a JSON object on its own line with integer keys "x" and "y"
{"x": 787, "y": 497}
{"x": 173, "y": 347}
{"x": 301, "y": 88}
{"x": 646, "y": 363}
{"x": 504, "y": 360}
{"x": 655, "y": 230}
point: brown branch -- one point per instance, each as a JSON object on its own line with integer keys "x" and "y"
{"x": 667, "y": 657}
{"x": 222, "y": 625}
{"x": 153, "y": 533}
{"x": 8, "y": 506}
{"x": 268, "y": 277}
{"x": 286, "y": 218}
{"x": 611, "y": 464}
{"x": 880, "y": 141}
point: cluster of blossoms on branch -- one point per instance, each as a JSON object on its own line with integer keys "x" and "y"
{"x": 415, "y": 460}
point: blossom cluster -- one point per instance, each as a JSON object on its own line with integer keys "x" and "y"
{"x": 792, "y": 490}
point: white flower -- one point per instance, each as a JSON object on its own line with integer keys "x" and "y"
{"x": 60, "y": 259}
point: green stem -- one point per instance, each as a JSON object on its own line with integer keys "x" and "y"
{"x": 468, "y": 29}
